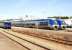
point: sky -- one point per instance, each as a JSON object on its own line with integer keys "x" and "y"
{"x": 34, "y": 8}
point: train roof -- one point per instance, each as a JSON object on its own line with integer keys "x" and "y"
{"x": 39, "y": 20}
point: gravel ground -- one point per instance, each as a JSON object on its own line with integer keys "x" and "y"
{"x": 7, "y": 44}
{"x": 61, "y": 36}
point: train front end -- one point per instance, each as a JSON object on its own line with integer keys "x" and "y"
{"x": 7, "y": 25}
{"x": 61, "y": 24}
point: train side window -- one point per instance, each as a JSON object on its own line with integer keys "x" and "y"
{"x": 43, "y": 23}
{"x": 33, "y": 24}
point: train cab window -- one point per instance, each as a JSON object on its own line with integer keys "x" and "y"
{"x": 63, "y": 23}
{"x": 55, "y": 22}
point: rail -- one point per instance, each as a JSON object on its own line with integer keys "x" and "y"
{"x": 40, "y": 42}
{"x": 25, "y": 43}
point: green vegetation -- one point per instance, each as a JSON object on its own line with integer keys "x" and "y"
{"x": 61, "y": 17}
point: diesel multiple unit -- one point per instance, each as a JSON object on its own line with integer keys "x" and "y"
{"x": 43, "y": 23}
{"x": 39, "y": 23}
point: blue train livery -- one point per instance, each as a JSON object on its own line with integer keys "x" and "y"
{"x": 7, "y": 25}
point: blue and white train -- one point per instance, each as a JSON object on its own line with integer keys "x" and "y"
{"x": 45, "y": 23}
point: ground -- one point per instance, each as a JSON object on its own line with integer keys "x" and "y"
{"x": 7, "y": 44}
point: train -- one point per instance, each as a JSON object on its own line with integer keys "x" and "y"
{"x": 5, "y": 24}
{"x": 51, "y": 24}
{"x": 43, "y": 24}
{"x": 61, "y": 24}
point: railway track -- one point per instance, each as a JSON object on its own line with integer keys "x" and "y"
{"x": 43, "y": 44}
{"x": 8, "y": 44}
{"x": 53, "y": 36}
{"x": 25, "y": 43}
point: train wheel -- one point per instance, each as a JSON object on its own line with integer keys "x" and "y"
{"x": 55, "y": 28}
{"x": 63, "y": 28}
